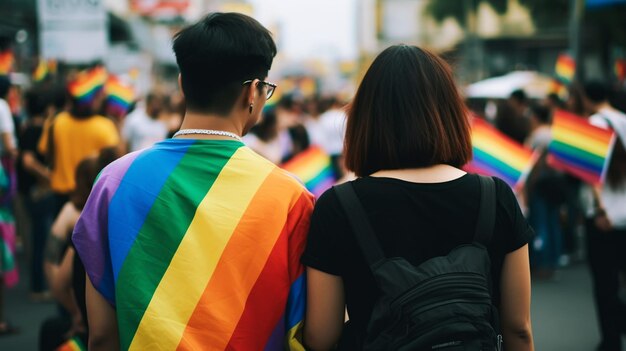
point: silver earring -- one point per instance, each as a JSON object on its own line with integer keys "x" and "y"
{"x": 251, "y": 106}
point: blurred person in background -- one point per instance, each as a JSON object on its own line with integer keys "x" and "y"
{"x": 145, "y": 125}
{"x": 292, "y": 134}
{"x": 545, "y": 191}
{"x": 34, "y": 183}
{"x": 606, "y": 220}
{"x": 8, "y": 188}
{"x": 64, "y": 270}
{"x": 72, "y": 136}
{"x": 263, "y": 138}
{"x": 512, "y": 116}
{"x": 331, "y": 129}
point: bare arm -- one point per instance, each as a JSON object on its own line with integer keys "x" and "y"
{"x": 515, "y": 297}
{"x": 34, "y": 167}
{"x": 7, "y": 143}
{"x": 325, "y": 310}
{"x": 60, "y": 280}
{"x": 103, "y": 333}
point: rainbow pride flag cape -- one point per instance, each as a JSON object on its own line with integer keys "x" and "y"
{"x": 119, "y": 96}
{"x": 73, "y": 344}
{"x": 565, "y": 68}
{"x": 6, "y": 62}
{"x": 197, "y": 244}
{"x": 87, "y": 84}
{"x": 495, "y": 154}
{"x": 41, "y": 71}
{"x": 579, "y": 148}
{"x": 314, "y": 168}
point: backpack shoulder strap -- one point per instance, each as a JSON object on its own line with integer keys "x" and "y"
{"x": 363, "y": 231}
{"x": 487, "y": 211}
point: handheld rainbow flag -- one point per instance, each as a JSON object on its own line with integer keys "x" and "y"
{"x": 197, "y": 244}
{"x": 565, "y": 68}
{"x": 73, "y": 344}
{"x": 579, "y": 148}
{"x": 314, "y": 168}
{"x": 6, "y": 62}
{"x": 119, "y": 96}
{"x": 41, "y": 71}
{"x": 620, "y": 69}
{"x": 87, "y": 83}
{"x": 495, "y": 154}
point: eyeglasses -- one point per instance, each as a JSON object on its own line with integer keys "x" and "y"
{"x": 270, "y": 87}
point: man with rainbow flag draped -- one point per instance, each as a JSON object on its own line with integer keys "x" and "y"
{"x": 194, "y": 243}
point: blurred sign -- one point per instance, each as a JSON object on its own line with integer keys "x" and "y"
{"x": 159, "y": 8}
{"x": 73, "y": 31}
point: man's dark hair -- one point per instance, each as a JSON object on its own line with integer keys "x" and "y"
{"x": 37, "y": 101}
{"x": 407, "y": 113}
{"x": 541, "y": 113}
{"x": 596, "y": 91}
{"x": 519, "y": 95}
{"x": 216, "y": 55}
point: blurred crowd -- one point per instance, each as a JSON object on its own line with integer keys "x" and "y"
{"x": 55, "y": 142}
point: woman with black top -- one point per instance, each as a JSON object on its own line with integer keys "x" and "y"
{"x": 407, "y": 135}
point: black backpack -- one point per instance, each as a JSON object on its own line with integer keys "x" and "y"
{"x": 444, "y": 303}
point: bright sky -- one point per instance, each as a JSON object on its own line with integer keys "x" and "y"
{"x": 306, "y": 29}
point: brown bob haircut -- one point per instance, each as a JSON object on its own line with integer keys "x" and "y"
{"x": 407, "y": 113}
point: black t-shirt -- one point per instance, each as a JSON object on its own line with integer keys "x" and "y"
{"x": 417, "y": 221}
{"x": 28, "y": 142}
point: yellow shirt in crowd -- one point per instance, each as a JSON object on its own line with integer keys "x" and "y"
{"x": 74, "y": 140}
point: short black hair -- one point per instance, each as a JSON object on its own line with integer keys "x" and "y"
{"x": 541, "y": 113}
{"x": 37, "y": 101}
{"x": 216, "y": 55}
{"x": 596, "y": 91}
{"x": 519, "y": 95}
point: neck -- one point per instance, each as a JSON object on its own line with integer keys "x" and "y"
{"x": 603, "y": 105}
{"x": 432, "y": 174}
{"x": 195, "y": 120}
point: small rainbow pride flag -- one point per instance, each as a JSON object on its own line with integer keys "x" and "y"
{"x": 6, "y": 62}
{"x": 41, "y": 71}
{"x": 620, "y": 69}
{"x": 579, "y": 148}
{"x": 119, "y": 96}
{"x": 565, "y": 68}
{"x": 73, "y": 344}
{"x": 495, "y": 154}
{"x": 84, "y": 87}
{"x": 314, "y": 168}
{"x": 197, "y": 244}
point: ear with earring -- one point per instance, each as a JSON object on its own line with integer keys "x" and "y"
{"x": 251, "y": 107}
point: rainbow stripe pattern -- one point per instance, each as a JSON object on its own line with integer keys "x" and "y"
{"x": 73, "y": 344}
{"x": 565, "y": 68}
{"x": 87, "y": 83}
{"x": 119, "y": 96}
{"x": 580, "y": 148}
{"x": 197, "y": 244}
{"x": 6, "y": 62}
{"x": 495, "y": 154}
{"x": 41, "y": 71}
{"x": 314, "y": 168}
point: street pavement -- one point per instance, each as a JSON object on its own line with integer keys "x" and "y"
{"x": 563, "y": 314}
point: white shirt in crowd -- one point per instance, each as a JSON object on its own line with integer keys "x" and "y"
{"x": 6, "y": 123}
{"x": 141, "y": 131}
{"x": 329, "y": 131}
